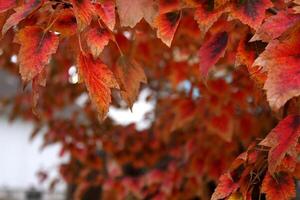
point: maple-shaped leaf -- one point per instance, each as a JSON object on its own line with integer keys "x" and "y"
{"x": 132, "y": 11}
{"x": 166, "y": 25}
{"x": 211, "y": 51}
{"x": 7, "y": 4}
{"x": 281, "y": 61}
{"x": 282, "y": 140}
{"x": 250, "y": 12}
{"x": 106, "y": 11}
{"x": 97, "y": 39}
{"x": 65, "y": 22}
{"x": 129, "y": 75}
{"x": 279, "y": 187}
{"x": 275, "y": 25}
{"x": 35, "y": 51}
{"x": 21, "y": 13}
{"x": 84, "y": 11}
{"x": 99, "y": 80}
{"x": 225, "y": 187}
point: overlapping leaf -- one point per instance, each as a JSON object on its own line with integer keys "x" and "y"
{"x": 99, "y": 80}
{"x": 280, "y": 187}
{"x": 84, "y": 11}
{"x": 133, "y": 11}
{"x": 97, "y": 38}
{"x": 282, "y": 140}
{"x": 36, "y": 49}
{"x": 166, "y": 25}
{"x": 129, "y": 75}
{"x": 21, "y": 13}
{"x": 211, "y": 51}
{"x": 281, "y": 61}
{"x": 250, "y": 12}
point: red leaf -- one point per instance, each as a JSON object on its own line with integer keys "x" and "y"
{"x": 166, "y": 25}
{"x": 98, "y": 79}
{"x": 132, "y": 11}
{"x": 225, "y": 187}
{"x": 281, "y": 187}
{"x": 97, "y": 39}
{"x": 211, "y": 51}
{"x": 168, "y": 6}
{"x": 206, "y": 18}
{"x": 7, "y": 4}
{"x": 275, "y": 25}
{"x": 83, "y": 10}
{"x": 65, "y": 23}
{"x": 129, "y": 75}
{"x": 106, "y": 11}
{"x": 36, "y": 49}
{"x": 250, "y": 12}
{"x": 282, "y": 62}
{"x": 283, "y": 140}
{"x": 21, "y": 13}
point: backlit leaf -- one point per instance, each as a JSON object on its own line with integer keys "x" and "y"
{"x": 84, "y": 11}
{"x": 282, "y": 140}
{"x": 166, "y": 25}
{"x": 36, "y": 49}
{"x": 281, "y": 61}
{"x": 225, "y": 187}
{"x": 250, "y": 12}
{"x": 211, "y": 51}
{"x": 97, "y": 39}
{"x": 99, "y": 80}
{"x": 279, "y": 187}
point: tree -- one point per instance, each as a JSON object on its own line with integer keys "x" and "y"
{"x": 231, "y": 132}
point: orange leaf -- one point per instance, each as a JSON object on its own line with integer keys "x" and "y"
{"x": 21, "y": 13}
{"x": 129, "y": 75}
{"x": 211, "y": 51}
{"x": 98, "y": 79}
{"x": 132, "y": 11}
{"x": 106, "y": 11}
{"x": 281, "y": 187}
{"x": 250, "y": 12}
{"x": 206, "y": 18}
{"x": 83, "y": 10}
{"x": 225, "y": 187}
{"x": 283, "y": 140}
{"x": 281, "y": 60}
{"x": 65, "y": 23}
{"x": 97, "y": 39}
{"x": 36, "y": 49}
{"x": 166, "y": 25}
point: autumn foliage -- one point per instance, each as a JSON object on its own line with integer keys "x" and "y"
{"x": 224, "y": 76}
